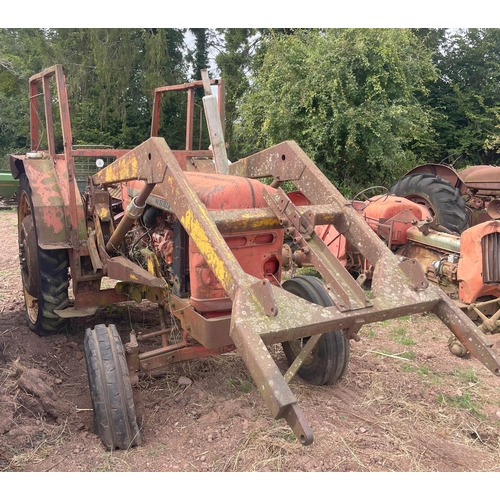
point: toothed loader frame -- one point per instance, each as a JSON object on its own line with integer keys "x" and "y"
{"x": 261, "y": 310}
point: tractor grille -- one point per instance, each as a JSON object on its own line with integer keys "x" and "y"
{"x": 491, "y": 258}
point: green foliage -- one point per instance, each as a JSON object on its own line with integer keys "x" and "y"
{"x": 348, "y": 97}
{"x": 200, "y": 55}
{"x": 110, "y": 74}
{"x": 364, "y": 104}
{"x": 465, "y": 97}
{"x": 469, "y": 375}
{"x": 401, "y": 335}
{"x": 463, "y": 401}
{"x": 22, "y": 53}
{"x": 234, "y": 62}
{"x": 243, "y": 385}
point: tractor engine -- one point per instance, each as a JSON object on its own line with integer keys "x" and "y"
{"x": 154, "y": 234}
{"x": 466, "y": 267}
{"x": 180, "y": 262}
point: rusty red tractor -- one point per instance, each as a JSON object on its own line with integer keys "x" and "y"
{"x": 461, "y": 251}
{"x": 203, "y": 239}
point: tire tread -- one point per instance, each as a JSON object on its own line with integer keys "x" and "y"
{"x": 111, "y": 392}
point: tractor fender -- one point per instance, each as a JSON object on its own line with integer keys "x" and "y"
{"x": 48, "y": 184}
{"x": 446, "y": 172}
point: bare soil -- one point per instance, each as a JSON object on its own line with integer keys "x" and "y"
{"x": 406, "y": 403}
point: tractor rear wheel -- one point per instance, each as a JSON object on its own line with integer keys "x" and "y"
{"x": 44, "y": 272}
{"x": 329, "y": 359}
{"x": 110, "y": 389}
{"x": 438, "y": 196}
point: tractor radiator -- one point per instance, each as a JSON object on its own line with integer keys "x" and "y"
{"x": 491, "y": 258}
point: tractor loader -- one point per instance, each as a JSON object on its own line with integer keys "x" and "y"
{"x": 202, "y": 239}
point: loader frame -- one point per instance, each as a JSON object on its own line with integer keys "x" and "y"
{"x": 261, "y": 314}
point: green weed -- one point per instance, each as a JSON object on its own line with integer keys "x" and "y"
{"x": 463, "y": 402}
{"x": 408, "y": 368}
{"x": 239, "y": 384}
{"x": 469, "y": 375}
{"x": 401, "y": 336}
{"x": 408, "y": 355}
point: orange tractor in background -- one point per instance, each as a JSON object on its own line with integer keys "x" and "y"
{"x": 204, "y": 240}
{"x": 447, "y": 221}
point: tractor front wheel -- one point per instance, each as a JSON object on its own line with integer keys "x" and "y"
{"x": 329, "y": 358}
{"x": 110, "y": 389}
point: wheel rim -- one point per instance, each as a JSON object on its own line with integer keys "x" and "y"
{"x": 28, "y": 257}
{"x": 304, "y": 291}
{"x": 420, "y": 200}
{"x": 297, "y": 345}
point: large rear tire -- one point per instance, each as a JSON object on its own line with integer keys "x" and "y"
{"x": 329, "y": 359}
{"x": 44, "y": 272}
{"x": 438, "y": 195}
{"x": 115, "y": 421}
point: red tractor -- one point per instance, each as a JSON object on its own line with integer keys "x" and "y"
{"x": 446, "y": 220}
{"x": 203, "y": 240}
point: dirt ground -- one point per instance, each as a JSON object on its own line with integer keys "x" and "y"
{"x": 406, "y": 403}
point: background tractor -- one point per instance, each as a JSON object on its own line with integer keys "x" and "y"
{"x": 466, "y": 203}
{"x": 202, "y": 239}
{"x": 451, "y": 229}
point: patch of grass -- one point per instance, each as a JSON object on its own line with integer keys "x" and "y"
{"x": 401, "y": 336}
{"x": 463, "y": 402}
{"x": 406, "y": 367}
{"x": 408, "y": 355}
{"x": 157, "y": 450}
{"x": 422, "y": 371}
{"x": 469, "y": 375}
{"x": 404, "y": 318}
{"x": 371, "y": 333}
{"x": 308, "y": 271}
{"x": 240, "y": 384}
{"x": 284, "y": 433}
{"x": 42, "y": 445}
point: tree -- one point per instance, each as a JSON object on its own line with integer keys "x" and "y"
{"x": 22, "y": 53}
{"x": 235, "y": 61}
{"x": 200, "y": 53}
{"x": 110, "y": 74}
{"x": 348, "y": 97}
{"x": 465, "y": 98}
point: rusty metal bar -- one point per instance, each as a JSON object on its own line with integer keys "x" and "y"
{"x": 190, "y": 119}
{"x": 159, "y": 333}
{"x": 466, "y": 332}
{"x": 132, "y": 213}
{"x": 49, "y": 122}
{"x": 299, "y": 360}
{"x": 34, "y": 115}
{"x": 96, "y": 153}
{"x": 156, "y": 113}
{"x": 185, "y": 86}
{"x": 67, "y": 137}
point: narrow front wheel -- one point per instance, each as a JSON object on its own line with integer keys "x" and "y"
{"x": 110, "y": 389}
{"x": 328, "y": 360}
